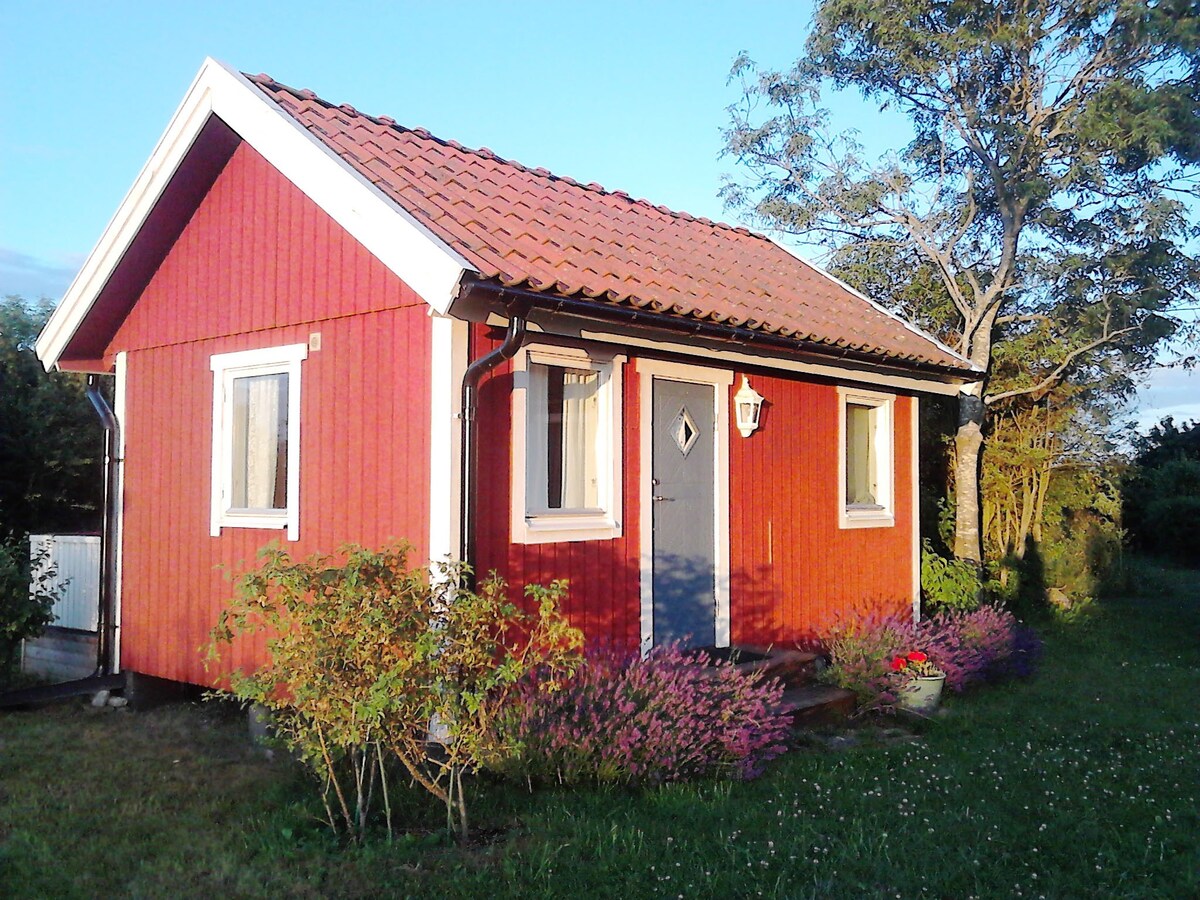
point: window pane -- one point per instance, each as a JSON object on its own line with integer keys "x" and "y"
{"x": 860, "y": 455}
{"x": 260, "y": 405}
{"x": 572, "y": 419}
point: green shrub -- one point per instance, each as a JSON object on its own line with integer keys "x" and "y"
{"x": 1175, "y": 524}
{"x": 367, "y": 659}
{"x": 26, "y": 604}
{"x": 947, "y": 584}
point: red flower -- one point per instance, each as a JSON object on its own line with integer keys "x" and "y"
{"x": 899, "y": 663}
{"x": 917, "y": 656}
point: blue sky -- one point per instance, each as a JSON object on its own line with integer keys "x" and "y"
{"x": 628, "y": 94}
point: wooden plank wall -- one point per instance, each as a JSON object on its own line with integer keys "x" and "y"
{"x": 260, "y": 265}
{"x": 604, "y": 597}
{"x": 794, "y": 571}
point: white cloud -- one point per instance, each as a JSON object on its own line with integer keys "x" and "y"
{"x": 1168, "y": 392}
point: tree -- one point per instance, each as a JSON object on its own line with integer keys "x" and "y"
{"x": 1161, "y": 491}
{"x": 51, "y": 441}
{"x": 1041, "y": 198}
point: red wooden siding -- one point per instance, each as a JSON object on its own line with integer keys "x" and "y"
{"x": 603, "y": 575}
{"x": 259, "y": 265}
{"x": 794, "y": 571}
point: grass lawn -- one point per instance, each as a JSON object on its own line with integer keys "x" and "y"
{"x": 1080, "y": 782}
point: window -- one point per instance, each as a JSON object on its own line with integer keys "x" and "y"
{"x": 566, "y": 447}
{"x": 865, "y": 463}
{"x": 256, "y": 439}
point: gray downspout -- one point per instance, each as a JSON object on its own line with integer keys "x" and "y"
{"x": 469, "y": 453}
{"x": 106, "y": 626}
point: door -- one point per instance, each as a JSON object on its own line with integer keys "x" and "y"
{"x": 683, "y": 512}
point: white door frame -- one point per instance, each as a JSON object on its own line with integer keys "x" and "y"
{"x": 648, "y": 370}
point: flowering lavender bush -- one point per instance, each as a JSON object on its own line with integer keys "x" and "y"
{"x": 972, "y": 647}
{"x": 984, "y": 644}
{"x": 667, "y": 717}
{"x": 861, "y": 657}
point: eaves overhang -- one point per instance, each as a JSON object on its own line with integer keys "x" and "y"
{"x": 402, "y": 243}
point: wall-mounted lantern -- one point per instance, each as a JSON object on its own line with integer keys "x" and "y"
{"x": 747, "y": 403}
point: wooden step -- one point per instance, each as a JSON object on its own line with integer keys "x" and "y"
{"x": 794, "y": 668}
{"x": 817, "y": 704}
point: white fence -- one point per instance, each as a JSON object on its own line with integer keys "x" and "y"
{"x": 77, "y": 559}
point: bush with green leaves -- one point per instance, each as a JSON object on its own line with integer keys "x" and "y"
{"x": 26, "y": 600}
{"x": 947, "y": 584}
{"x": 1161, "y": 492}
{"x": 371, "y": 660}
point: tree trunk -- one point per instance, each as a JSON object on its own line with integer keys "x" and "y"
{"x": 1040, "y": 502}
{"x": 968, "y": 450}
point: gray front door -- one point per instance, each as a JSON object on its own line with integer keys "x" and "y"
{"x": 682, "y": 502}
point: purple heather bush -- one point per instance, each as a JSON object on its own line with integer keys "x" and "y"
{"x": 667, "y": 717}
{"x": 861, "y": 655}
{"x": 983, "y": 644}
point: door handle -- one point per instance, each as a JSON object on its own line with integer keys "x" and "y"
{"x": 660, "y": 498}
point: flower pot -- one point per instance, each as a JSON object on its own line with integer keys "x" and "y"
{"x": 922, "y": 694}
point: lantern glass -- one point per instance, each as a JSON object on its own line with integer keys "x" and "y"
{"x": 748, "y": 406}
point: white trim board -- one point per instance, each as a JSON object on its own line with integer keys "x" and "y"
{"x": 424, "y": 262}
{"x": 916, "y": 507}
{"x": 121, "y": 411}
{"x": 448, "y": 363}
{"x": 647, "y": 371}
{"x": 833, "y": 370}
{"x": 541, "y": 527}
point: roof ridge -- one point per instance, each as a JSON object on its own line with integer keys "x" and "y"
{"x": 264, "y": 80}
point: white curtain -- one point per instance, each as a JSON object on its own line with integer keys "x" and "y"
{"x": 860, "y": 453}
{"x": 580, "y": 422}
{"x": 259, "y": 434}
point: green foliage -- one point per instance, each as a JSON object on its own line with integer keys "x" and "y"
{"x": 1037, "y": 220}
{"x": 861, "y": 657}
{"x": 1033, "y": 777}
{"x": 367, "y": 657}
{"x": 51, "y": 440}
{"x": 1175, "y": 525}
{"x": 27, "y": 597}
{"x": 947, "y": 584}
{"x": 1162, "y": 492}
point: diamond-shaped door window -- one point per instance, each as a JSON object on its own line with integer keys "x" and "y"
{"x": 684, "y": 431}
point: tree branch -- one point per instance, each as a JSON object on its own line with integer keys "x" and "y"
{"x": 1060, "y": 371}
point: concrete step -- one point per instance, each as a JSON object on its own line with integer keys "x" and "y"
{"x": 817, "y": 704}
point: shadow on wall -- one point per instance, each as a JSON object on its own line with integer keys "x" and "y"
{"x": 685, "y": 609}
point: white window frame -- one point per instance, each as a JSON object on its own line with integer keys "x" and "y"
{"x": 226, "y": 367}
{"x": 534, "y": 526}
{"x": 880, "y": 514}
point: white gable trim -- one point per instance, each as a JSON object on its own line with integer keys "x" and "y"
{"x": 396, "y": 238}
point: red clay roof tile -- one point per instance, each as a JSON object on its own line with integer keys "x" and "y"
{"x": 531, "y": 229}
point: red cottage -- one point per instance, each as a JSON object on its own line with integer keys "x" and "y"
{"x": 325, "y": 327}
